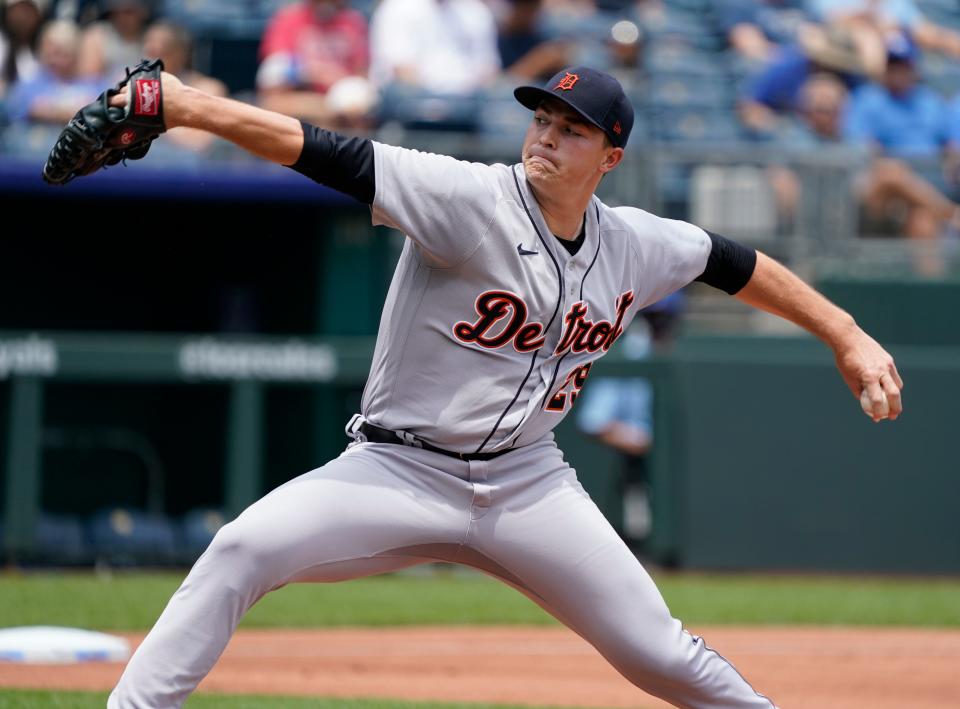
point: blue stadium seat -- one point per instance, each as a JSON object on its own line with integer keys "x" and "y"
{"x": 503, "y": 118}
{"x": 941, "y": 73}
{"x": 240, "y": 18}
{"x": 570, "y": 26}
{"x": 686, "y": 91}
{"x": 197, "y": 529}
{"x": 421, "y": 110}
{"x": 364, "y": 6}
{"x": 696, "y": 126}
{"x": 127, "y": 536}
{"x": 696, "y": 28}
{"x": 945, "y": 13}
{"x": 61, "y": 539}
{"x": 703, "y": 6}
{"x": 677, "y": 56}
{"x": 30, "y": 142}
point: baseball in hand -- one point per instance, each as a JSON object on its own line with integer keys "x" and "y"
{"x": 868, "y": 408}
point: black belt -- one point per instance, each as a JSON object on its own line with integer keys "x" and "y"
{"x": 375, "y": 434}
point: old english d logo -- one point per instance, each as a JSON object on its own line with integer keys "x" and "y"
{"x": 567, "y": 82}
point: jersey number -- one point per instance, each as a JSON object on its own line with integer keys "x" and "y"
{"x": 574, "y": 383}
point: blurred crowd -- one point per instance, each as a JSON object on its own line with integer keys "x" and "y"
{"x": 876, "y": 77}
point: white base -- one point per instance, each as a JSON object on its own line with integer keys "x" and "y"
{"x": 47, "y": 644}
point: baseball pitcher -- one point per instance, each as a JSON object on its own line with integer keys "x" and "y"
{"x": 513, "y": 281}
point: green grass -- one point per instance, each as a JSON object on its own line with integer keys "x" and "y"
{"x": 132, "y": 601}
{"x": 17, "y": 699}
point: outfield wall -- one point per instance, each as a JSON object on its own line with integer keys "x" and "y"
{"x": 763, "y": 459}
{"x": 769, "y": 463}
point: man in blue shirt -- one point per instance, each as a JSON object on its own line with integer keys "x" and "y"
{"x": 899, "y": 117}
{"x": 904, "y": 123}
{"x": 776, "y": 90}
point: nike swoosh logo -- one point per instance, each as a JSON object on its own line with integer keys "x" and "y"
{"x": 523, "y": 252}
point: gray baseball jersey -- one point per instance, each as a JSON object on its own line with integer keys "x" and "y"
{"x": 490, "y": 325}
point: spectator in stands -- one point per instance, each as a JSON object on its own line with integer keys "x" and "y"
{"x": 816, "y": 123}
{"x": 525, "y": 51}
{"x": 902, "y": 120}
{"x": 873, "y": 22}
{"x": 174, "y": 45}
{"x": 439, "y": 46}
{"x": 311, "y": 50}
{"x": 115, "y": 42}
{"x": 56, "y": 92}
{"x": 891, "y": 193}
{"x": 775, "y": 91}
{"x": 756, "y": 29}
{"x": 899, "y": 116}
{"x": 19, "y": 28}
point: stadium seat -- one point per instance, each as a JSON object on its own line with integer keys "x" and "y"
{"x": 239, "y": 18}
{"x": 575, "y": 27}
{"x": 695, "y": 126}
{"x": 61, "y": 539}
{"x": 696, "y": 28}
{"x": 197, "y": 529}
{"x": 677, "y": 56}
{"x": 421, "y": 110}
{"x": 941, "y": 73}
{"x": 30, "y": 142}
{"x": 669, "y": 91}
{"x": 127, "y": 536}
{"x": 695, "y": 6}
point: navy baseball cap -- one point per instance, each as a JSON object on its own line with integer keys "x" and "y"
{"x": 902, "y": 48}
{"x": 596, "y": 96}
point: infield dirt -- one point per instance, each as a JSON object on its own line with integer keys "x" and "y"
{"x": 799, "y": 668}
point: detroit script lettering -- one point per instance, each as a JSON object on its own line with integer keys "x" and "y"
{"x": 506, "y": 309}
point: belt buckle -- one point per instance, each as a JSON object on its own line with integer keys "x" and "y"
{"x": 408, "y": 439}
{"x": 352, "y": 429}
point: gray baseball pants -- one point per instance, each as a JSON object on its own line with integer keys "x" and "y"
{"x": 522, "y": 517}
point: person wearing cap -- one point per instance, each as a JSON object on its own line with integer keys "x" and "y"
{"x": 513, "y": 280}
{"x": 20, "y": 22}
{"x": 899, "y": 115}
{"x": 905, "y": 126}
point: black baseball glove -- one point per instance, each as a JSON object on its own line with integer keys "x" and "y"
{"x": 101, "y": 134}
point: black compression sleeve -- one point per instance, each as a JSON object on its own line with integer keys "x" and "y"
{"x": 730, "y": 265}
{"x": 340, "y": 162}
